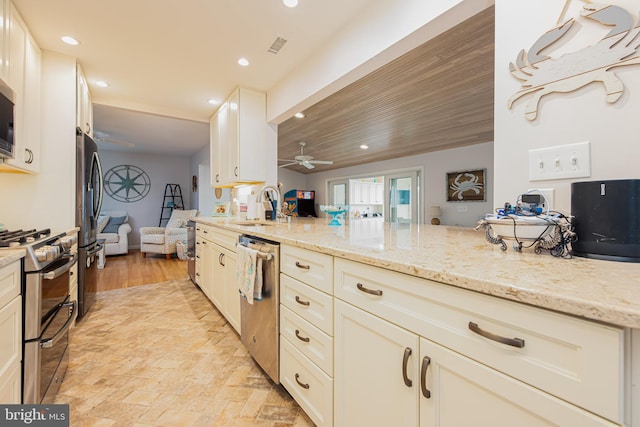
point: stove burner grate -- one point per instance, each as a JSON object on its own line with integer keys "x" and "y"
{"x": 19, "y": 237}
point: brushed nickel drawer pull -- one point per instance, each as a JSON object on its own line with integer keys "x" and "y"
{"x": 405, "y": 360}
{"x": 302, "y": 266}
{"x": 303, "y": 339}
{"x": 305, "y": 386}
{"x": 423, "y": 377}
{"x": 369, "y": 291}
{"x": 513, "y": 342}
{"x": 299, "y": 301}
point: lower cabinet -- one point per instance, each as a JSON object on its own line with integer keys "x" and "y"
{"x": 225, "y": 293}
{"x": 10, "y": 334}
{"x": 386, "y": 375}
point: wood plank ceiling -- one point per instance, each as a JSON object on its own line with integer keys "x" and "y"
{"x": 435, "y": 97}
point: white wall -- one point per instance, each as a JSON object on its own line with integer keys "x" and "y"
{"x": 162, "y": 170}
{"x": 435, "y": 166}
{"x": 47, "y": 199}
{"x": 582, "y": 115}
{"x": 292, "y": 180}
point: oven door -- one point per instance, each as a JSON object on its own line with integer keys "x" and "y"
{"x": 48, "y": 315}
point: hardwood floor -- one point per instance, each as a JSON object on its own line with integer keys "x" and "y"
{"x": 128, "y": 271}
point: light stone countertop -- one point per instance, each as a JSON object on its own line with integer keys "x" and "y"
{"x": 7, "y": 256}
{"x": 606, "y": 291}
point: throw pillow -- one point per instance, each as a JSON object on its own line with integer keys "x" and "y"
{"x": 114, "y": 223}
{"x": 102, "y": 222}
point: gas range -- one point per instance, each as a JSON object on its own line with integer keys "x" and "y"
{"x": 43, "y": 247}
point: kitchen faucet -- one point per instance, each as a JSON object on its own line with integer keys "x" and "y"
{"x": 264, "y": 190}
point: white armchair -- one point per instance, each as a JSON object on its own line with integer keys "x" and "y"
{"x": 116, "y": 239}
{"x": 162, "y": 240}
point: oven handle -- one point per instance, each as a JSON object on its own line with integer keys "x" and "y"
{"x": 50, "y": 342}
{"x": 50, "y": 275}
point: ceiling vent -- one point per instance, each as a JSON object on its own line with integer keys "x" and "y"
{"x": 277, "y": 45}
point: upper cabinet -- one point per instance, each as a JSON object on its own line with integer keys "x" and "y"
{"x": 238, "y": 138}
{"x": 84, "y": 110}
{"x": 22, "y": 71}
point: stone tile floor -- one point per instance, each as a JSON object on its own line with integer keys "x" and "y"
{"x": 162, "y": 355}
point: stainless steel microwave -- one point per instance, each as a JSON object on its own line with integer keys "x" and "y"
{"x": 7, "y": 106}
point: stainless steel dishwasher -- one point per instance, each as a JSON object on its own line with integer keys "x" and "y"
{"x": 260, "y": 321}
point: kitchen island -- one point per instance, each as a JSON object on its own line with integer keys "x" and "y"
{"x": 425, "y": 319}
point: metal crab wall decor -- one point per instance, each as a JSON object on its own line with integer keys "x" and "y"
{"x": 542, "y": 74}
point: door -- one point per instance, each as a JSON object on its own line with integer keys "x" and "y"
{"x": 402, "y": 197}
{"x": 376, "y": 371}
{"x": 339, "y": 193}
{"x": 462, "y": 392}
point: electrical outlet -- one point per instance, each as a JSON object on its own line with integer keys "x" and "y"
{"x": 548, "y": 194}
{"x": 560, "y": 162}
{"x": 461, "y": 208}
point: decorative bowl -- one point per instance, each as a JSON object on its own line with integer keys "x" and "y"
{"x": 334, "y": 211}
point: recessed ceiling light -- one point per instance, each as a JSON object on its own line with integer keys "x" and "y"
{"x": 364, "y": 146}
{"x": 70, "y": 40}
{"x": 299, "y": 115}
{"x": 102, "y": 83}
{"x": 243, "y": 61}
{"x": 213, "y": 101}
{"x": 290, "y": 3}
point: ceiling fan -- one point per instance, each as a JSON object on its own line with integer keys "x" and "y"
{"x": 303, "y": 160}
{"x": 106, "y": 138}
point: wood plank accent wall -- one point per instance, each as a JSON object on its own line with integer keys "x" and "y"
{"x": 435, "y": 97}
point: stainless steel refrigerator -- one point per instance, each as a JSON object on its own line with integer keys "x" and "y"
{"x": 89, "y": 191}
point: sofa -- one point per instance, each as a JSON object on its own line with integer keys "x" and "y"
{"x": 162, "y": 240}
{"x": 114, "y": 228}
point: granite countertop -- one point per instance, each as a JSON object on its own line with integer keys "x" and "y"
{"x": 7, "y": 256}
{"x": 606, "y": 291}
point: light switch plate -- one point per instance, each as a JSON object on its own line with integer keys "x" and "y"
{"x": 560, "y": 162}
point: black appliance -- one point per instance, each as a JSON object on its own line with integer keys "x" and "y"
{"x": 7, "y": 102}
{"x": 89, "y": 190}
{"x": 300, "y": 203}
{"x": 47, "y": 309}
{"x": 607, "y": 219}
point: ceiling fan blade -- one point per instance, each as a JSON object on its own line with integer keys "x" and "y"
{"x": 321, "y": 162}
{"x": 288, "y": 164}
{"x": 307, "y": 165}
{"x": 286, "y": 160}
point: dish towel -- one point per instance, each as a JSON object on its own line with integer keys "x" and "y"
{"x": 249, "y": 274}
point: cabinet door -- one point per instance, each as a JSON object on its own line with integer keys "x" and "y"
{"x": 372, "y": 363}
{"x": 463, "y": 392}
{"x": 223, "y": 144}
{"x": 83, "y": 103}
{"x": 214, "y": 155}
{"x": 232, "y": 295}
{"x": 231, "y": 140}
{"x": 216, "y": 283}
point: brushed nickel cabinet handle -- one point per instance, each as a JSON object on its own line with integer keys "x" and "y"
{"x": 302, "y": 266}
{"x": 362, "y": 288}
{"x": 405, "y": 361}
{"x": 303, "y": 339}
{"x": 220, "y": 259}
{"x": 513, "y": 342}
{"x": 235, "y": 171}
{"x": 426, "y": 361}
{"x": 299, "y": 301}
{"x": 217, "y": 177}
{"x": 305, "y": 386}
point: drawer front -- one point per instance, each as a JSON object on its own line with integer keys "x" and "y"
{"x": 309, "y": 267}
{"x": 312, "y": 305}
{"x": 204, "y": 231}
{"x": 307, "y": 384}
{"x": 10, "y": 386}
{"x": 9, "y": 282}
{"x": 574, "y": 359}
{"x": 225, "y": 238}
{"x": 10, "y": 335}
{"x": 311, "y": 341}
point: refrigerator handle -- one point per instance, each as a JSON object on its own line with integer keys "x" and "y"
{"x": 96, "y": 160}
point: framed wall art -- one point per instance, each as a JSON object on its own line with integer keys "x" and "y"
{"x": 466, "y": 186}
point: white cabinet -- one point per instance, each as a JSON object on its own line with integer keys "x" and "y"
{"x": 216, "y": 263}
{"x": 366, "y": 193}
{"x": 84, "y": 109}
{"x": 306, "y": 331}
{"x": 4, "y": 38}
{"x": 490, "y": 356}
{"x": 10, "y": 334}
{"x": 23, "y": 75}
{"x": 237, "y": 136}
{"x": 372, "y": 357}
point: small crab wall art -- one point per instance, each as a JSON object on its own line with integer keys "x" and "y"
{"x": 466, "y": 186}
{"x": 542, "y": 74}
